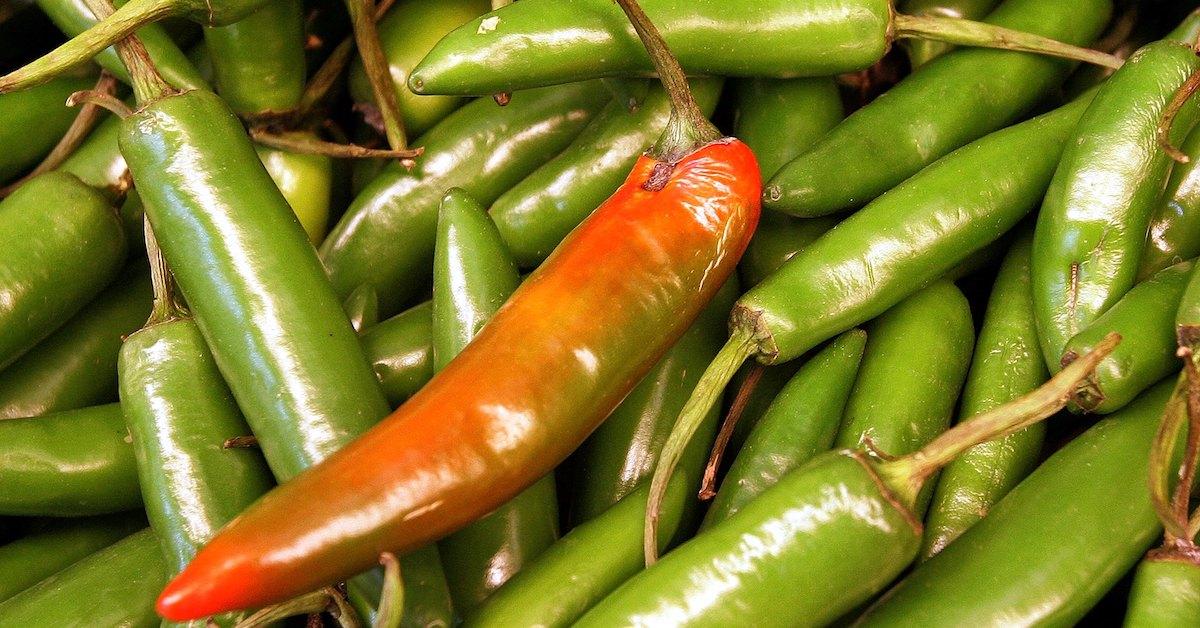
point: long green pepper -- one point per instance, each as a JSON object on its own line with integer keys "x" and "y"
{"x": 34, "y": 120}
{"x": 55, "y": 545}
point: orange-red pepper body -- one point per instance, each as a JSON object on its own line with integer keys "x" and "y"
{"x": 549, "y": 367}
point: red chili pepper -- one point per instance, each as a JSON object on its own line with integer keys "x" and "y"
{"x": 548, "y": 368}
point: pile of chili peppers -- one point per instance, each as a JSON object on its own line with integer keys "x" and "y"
{"x": 599, "y": 313}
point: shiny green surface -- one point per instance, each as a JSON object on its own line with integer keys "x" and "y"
{"x": 913, "y": 368}
{"x": 74, "y": 16}
{"x": 27, "y": 560}
{"x": 407, "y": 33}
{"x": 482, "y": 148}
{"x": 801, "y": 423}
{"x": 809, "y": 549}
{"x": 76, "y": 366}
{"x": 68, "y": 464}
{"x": 1145, "y": 318}
{"x": 252, "y": 280}
{"x": 949, "y": 102}
{"x": 362, "y": 308}
{"x": 98, "y": 161}
{"x": 116, "y": 586}
{"x": 1053, "y": 546}
{"x": 910, "y": 236}
{"x": 61, "y": 243}
{"x": 778, "y": 238}
{"x": 426, "y": 598}
{"x": 306, "y": 181}
{"x": 1166, "y": 594}
{"x": 539, "y": 211}
{"x": 921, "y": 51}
{"x": 1091, "y": 229}
{"x": 545, "y": 42}
{"x": 1007, "y": 363}
{"x": 258, "y": 61}
{"x": 772, "y": 380}
{"x": 1174, "y": 233}
{"x": 34, "y": 120}
{"x": 401, "y": 352}
{"x": 622, "y": 453}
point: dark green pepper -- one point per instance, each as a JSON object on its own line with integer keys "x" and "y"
{"x": 306, "y": 181}
{"x": 258, "y": 61}
{"x": 56, "y": 545}
{"x": 401, "y": 352}
{"x": 34, "y": 120}
{"x": 1174, "y": 233}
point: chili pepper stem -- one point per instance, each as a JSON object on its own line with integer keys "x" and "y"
{"x": 148, "y": 84}
{"x": 166, "y": 306}
{"x": 737, "y": 350}
{"x": 907, "y": 475}
{"x": 1181, "y": 97}
{"x": 105, "y": 101}
{"x": 688, "y": 128}
{"x": 391, "y": 600}
{"x": 708, "y": 485}
{"x": 325, "y": 600}
{"x": 1161, "y": 454}
{"x": 366, "y": 36}
{"x": 962, "y": 32}
{"x": 1187, "y": 472}
{"x": 88, "y": 44}
{"x": 312, "y": 146}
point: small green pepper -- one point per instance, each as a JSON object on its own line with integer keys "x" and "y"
{"x": 57, "y": 544}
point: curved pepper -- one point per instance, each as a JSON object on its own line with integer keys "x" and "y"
{"x": 1174, "y": 233}
{"x": 58, "y": 544}
{"x": 258, "y": 61}
{"x": 1166, "y": 593}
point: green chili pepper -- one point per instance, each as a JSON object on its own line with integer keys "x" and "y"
{"x": 306, "y": 181}
{"x": 401, "y": 352}
{"x": 921, "y": 51}
{"x": 76, "y": 366}
{"x": 801, "y": 423}
{"x": 61, "y": 243}
{"x": 1145, "y": 318}
{"x": 953, "y": 100}
{"x": 1092, "y": 226}
{"x": 56, "y": 545}
{"x": 72, "y": 463}
{"x": 34, "y": 120}
{"x": 258, "y": 61}
{"x": 98, "y": 161}
{"x": 758, "y": 400}
{"x": 1007, "y": 363}
{"x": 473, "y": 276}
{"x": 1054, "y": 545}
{"x": 481, "y": 148}
{"x": 113, "y": 587}
{"x": 406, "y": 33}
{"x": 1174, "y": 233}
{"x": 1166, "y": 593}
{"x": 539, "y": 211}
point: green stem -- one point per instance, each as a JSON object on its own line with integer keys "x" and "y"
{"x": 708, "y": 484}
{"x": 312, "y": 146}
{"x": 362, "y": 18}
{"x": 166, "y": 305}
{"x": 1162, "y": 452}
{"x": 88, "y": 44}
{"x": 962, "y": 32}
{"x": 325, "y": 600}
{"x": 1187, "y": 471}
{"x": 148, "y": 84}
{"x": 326, "y": 76}
{"x": 391, "y": 599}
{"x": 907, "y": 475}
{"x": 688, "y": 128}
{"x": 1165, "y": 123}
{"x": 737, "y": 350}
{"x": 105, "y": 101}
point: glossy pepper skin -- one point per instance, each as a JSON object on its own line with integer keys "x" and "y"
{"x": 483, "y": 149}
{"x": 34, "y": 120}
{"x": 253, "y": 281}
{"x": 1145, "y": 318}
{"x": 835, "y": 536}
{"x": 76, "y": 366}
{"x": 539, "y": 211}
{"x": 921, "y": 51}
{"x": 400, "y": 350}
{"x": 473, "y": 275}
{"x": 113, "y": 587}
{"x": 1166, "y": 593}
{"x": 68, "y": 464}
{"x": 1091, "y": 229}
{"x": 801, "y": 423}
{"x": 544, "y": 43}
{"x": 854, "y": 272}
{"x": 258, "y": 61}
{"x": 1007, "y": 363}
{"x": 475, "y": 436}
{"x": 1174, "y": 233}
{"x": 949, "y": 102}
{"x": 406, "y": 33}
{"x": 306, "y": 181}
{"x": 1054, "y": 545}
{"x": 61, "y": 243}
{"x": 98, "y": 161}
{"x": 56, "y": 545}
{"x": 621, "y": 454}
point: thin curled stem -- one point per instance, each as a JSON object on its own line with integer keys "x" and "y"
{"x": 108, "y": 102}
{"x": 315, "y": 146}
{"x": 366, "y": 36}
{"x": 327, "y": 600}
{"x": 1167, "y": 120}
{"x": 1166, "y": 439}
{"x": 708, "y": 485}
{"x": 962, "y": 32}
{"x": 391, "y": 600}
{"x": 166, "y": 302}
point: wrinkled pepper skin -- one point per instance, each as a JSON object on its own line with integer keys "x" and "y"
{"x": 1054, "y": 545}
{"x": 856, "y": 271}
{"x": 68, "y": 464}
{"x": 306, "y": 181}
{"x": 258, "y": 61}
{"x": 1145, "y": 318}
{"x": 921, "y": 51}
{"x": 483, "y": 149}
{"x": 252, "y": 280}
{"x": 801, "y": 423}
{"x": 406, "y": 33}
{"x": 401, "y": 352}
{"x": 1091, "y": 229}
{"x": 475, "y": 436}
{"x": 949, "y": 102}
{"x": 34, "y": 120}
{"x": 26, "y": 561}
{"x": 836, "y": 536}
{"x": 61, "y": 243}
{"x": 546, "y": 42}
{"x": 76, "y": 366}
{"x": 1166, "y": 593}
{"x": 113, "y": 587}
{"x": 1174, "y": 234}
{"x": 539, "y": 211}
{"x": 1007, "y": 363}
